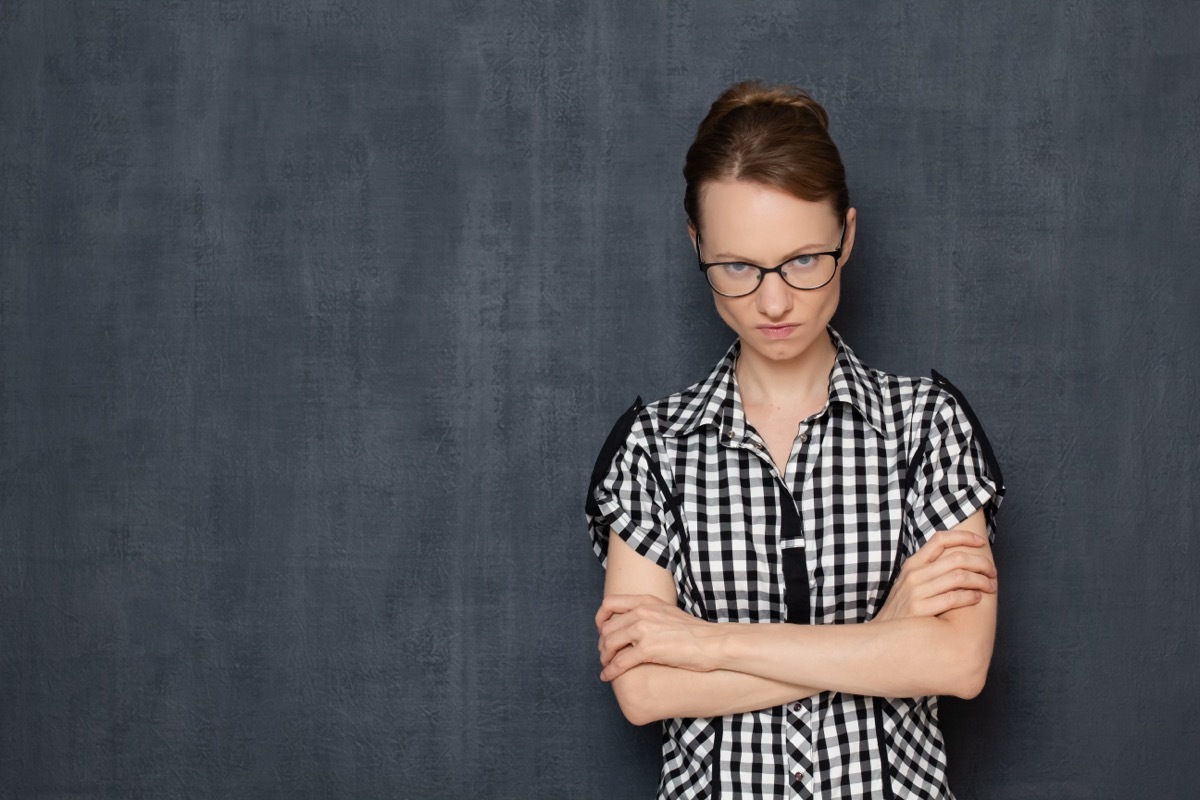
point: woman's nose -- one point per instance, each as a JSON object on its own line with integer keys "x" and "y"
{"x": 774, "y": 296}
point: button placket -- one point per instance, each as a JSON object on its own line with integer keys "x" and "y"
{"x": 800, "y": 739}
{"x": 805, "y": 431}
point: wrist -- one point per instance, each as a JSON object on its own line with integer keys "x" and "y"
{"x": 723, "y": 645}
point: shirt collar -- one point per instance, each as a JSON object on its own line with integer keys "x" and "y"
{"x": 717, "y": 400}
{"x": 852, "y": 382}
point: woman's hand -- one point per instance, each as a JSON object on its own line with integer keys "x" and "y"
{"x": 644, "y": 629}
{"x": 934, "y": 581}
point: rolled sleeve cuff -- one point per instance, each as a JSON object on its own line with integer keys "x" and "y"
{"x": 952, "y": 508}
{"x": 613, "y": 517}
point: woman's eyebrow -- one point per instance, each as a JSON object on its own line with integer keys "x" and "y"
{"x": 799, "y": 251}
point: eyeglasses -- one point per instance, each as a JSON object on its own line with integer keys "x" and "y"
{"x": 806, "y": 271}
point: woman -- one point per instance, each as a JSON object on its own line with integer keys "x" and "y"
{"x": 802, "y": 558}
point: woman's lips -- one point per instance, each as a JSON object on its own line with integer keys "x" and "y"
{"x": 777, "y": 331}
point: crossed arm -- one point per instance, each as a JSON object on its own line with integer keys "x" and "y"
{"x": 934, "y": 635}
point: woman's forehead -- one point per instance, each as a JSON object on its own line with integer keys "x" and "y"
{"x": 752, "y": 220}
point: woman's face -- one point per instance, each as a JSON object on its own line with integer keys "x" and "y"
{"x": 758, "y": 224}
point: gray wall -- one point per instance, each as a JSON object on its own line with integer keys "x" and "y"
{"x": 314, "y": 314}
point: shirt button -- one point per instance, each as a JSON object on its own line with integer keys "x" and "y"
{"x": 797, "y": 707}
{"x": 799, "y": 776}
{"x": 804, "y": 438}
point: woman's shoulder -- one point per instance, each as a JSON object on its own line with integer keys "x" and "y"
{"x": 931, "y": 409}
{"x": 923, "y": 411}
{"x": 931, "y": 396}
{"x": 909, "y": 390}
{"x": 889, "y": 400}
{"x": 701, "y": 403}
{"x": 922, "y": 400}
{"x": 677, "y": 413}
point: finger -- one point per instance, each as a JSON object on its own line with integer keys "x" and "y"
{"x": 634, "y": 626}
{"x": 616, "y": 638}
{"x": 614, "y": 604}
{"x": 948, "y": 601}
{"x": 609, "y": 646}
{"x": 603, "y": 614}
{"x": 606, "y": 636}
{"x": 951, "y": 562}
{"x": 606, "y": 618}
{"x": 609, "y": 650}
{"x": 619, "y": 622}
{"x": 628, "y": 609}
{"x": 974, "y": 561}
{"x": 941, "y": 541}
{"x": 622, "y": 662}
{"x": 959, "y": 579}
{"x": 622, "y": 603}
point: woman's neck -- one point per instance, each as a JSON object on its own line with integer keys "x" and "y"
{"x": 803, "y": 380}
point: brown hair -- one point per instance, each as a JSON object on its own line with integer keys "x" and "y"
{"x": 774, "y": 135}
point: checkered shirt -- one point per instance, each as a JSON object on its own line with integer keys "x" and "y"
{"x": 887, "y": 462}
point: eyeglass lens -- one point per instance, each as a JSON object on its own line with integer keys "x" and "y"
{"x": 802, "y": 272}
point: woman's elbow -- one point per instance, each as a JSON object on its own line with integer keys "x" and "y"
{"x": 971, "y": 671}
{"x": 971, "y": 685}
{"x": 634, "y": 697}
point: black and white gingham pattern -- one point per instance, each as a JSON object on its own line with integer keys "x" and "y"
{"x": 847, "y": 477}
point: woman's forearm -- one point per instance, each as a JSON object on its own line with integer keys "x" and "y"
{"x": 763, "y": 665}
{"x": 651, "y": 692}
{"x": 902, "y": 658}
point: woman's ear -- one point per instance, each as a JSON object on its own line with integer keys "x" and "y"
{"x": 692, "y": 235}
{"x": 851, "y": 229}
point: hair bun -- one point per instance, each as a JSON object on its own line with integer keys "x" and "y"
{"x": 774, "y": 135}
{"x": 752, "y": 94}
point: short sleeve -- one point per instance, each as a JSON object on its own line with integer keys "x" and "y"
{"x": 956, "y": 475}
{"x": 627, "y": 500}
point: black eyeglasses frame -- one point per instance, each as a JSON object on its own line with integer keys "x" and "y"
{"x": 764, "y": 271}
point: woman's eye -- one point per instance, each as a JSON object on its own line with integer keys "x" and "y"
{"x": 804, "y": 262}
{"x": 738, "y": 270}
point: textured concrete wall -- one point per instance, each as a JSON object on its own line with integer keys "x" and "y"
{"x": 314, "y": 314}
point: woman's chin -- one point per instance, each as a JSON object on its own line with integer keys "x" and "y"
{"x": 794, "y": 347}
